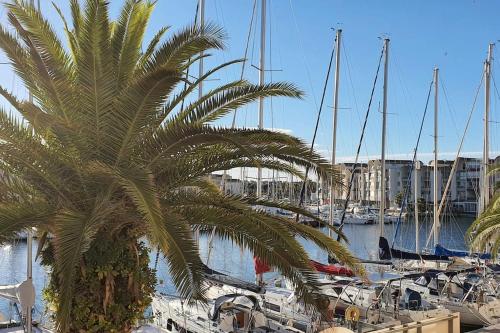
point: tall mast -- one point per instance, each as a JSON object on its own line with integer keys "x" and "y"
{"x": 384, "y": 124}
{"x": 201, "y": 14}
{"x": 485, "y": 186}
{"x": 416, "y": 195}
{"x": 262, "y": 64}
{"x": 435, "y": 201}
{"x": 29, "y": 259}
{"x": 335, "y": 111}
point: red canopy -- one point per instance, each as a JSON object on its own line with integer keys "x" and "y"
{"x": 332, "y": 269}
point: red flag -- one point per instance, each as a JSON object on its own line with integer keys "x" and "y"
{"x": 260, "y": 266}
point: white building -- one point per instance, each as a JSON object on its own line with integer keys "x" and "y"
{"x": 463, "y": 192}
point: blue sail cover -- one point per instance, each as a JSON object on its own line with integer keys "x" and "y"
{"x": 442, "y": 251}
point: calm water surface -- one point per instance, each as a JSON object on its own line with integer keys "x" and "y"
{"x": 228, "y": 258}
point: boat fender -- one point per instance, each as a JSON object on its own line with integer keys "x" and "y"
{"x": 352, "y": 313}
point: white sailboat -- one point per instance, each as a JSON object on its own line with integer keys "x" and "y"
{"x": 227, "y": 313}
{"x": 382, "y": 302}
{"x": 473, "y": 296}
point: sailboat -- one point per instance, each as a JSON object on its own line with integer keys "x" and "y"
{"x": 226, "y": 313}
{"x": 382, "y": 302}
{"x": 440, "y": 252}
{"x": 485, "y": 186}
{"x": 474, "y": 296}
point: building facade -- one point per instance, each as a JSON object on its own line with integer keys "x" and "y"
{"x": 462, "y": 195}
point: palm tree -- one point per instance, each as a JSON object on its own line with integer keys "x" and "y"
{"x": 108, "y": 153}
{"x": 484, "y": 234}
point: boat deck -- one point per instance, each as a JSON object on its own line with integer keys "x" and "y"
{"x": 142, "y": 329}
{"x": 489, "y": 329}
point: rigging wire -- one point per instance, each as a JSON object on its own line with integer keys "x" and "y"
{"x": 243, "y": 65}
{"x": 233, "y": 123}
{"x": 187, "y": 70}
{"x": 356, "y": 106}
{"x": 356, "y": 162}
{"x": 306, "y": 66}
{"x": 444, "y": 195}
{"x": 450, "y": 109}
{"x": 304, "y": 183}
{"x": 404, "y": 202}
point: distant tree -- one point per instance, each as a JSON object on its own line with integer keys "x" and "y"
{"x": 398, "y": 199}
{"x": 422, "y": 205}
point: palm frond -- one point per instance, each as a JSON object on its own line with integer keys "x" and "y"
{"x": 217, "y": 105}
{"x": 16, "y": 217}
{"x": 182, "y": 46}
{"x": 167, "y": 232}
{"x": 95, "y": 82}
{"x": 146, "y": 56}
{"x": 137, "y": 107}
{"x": 127, "y": 38}
{"x": 73, "y": 234}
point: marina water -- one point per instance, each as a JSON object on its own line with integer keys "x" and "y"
{"x": 228, "y": 258}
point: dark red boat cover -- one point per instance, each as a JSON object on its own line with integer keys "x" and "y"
{"x": 332, "y": 269}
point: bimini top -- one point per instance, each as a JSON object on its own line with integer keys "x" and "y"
{"x": 233, "y": 300}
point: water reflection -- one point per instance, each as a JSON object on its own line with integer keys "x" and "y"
{"x": 227, "y": 257}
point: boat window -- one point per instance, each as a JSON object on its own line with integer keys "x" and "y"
{"x": 299, "y": 326}
{"x": 272, "y": 307}
{"x": 343, "y": 282}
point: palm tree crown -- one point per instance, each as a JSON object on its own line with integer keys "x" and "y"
{"x": 106, "y": 146}
{"x": 484, "y": 234}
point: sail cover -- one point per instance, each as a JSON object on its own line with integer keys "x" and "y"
{"x": 22, "y": 293}
{"x": 386, "y": 253}
{"x": 331, "y": 269}
{"x": 218, "y": 277}
{"x": 441, "y": 250}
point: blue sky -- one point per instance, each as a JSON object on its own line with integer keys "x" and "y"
{"x": 452, "y": 35}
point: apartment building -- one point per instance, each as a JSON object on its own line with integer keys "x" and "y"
{"x": 462, "y": 193}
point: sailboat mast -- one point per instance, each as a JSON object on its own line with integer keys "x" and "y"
{"x": 384, "y": 124}
{"x": 335, "y": 111}
{"x": 435, "y": 201}
{"x": 262, "y": 65}
{"x": 417, "y": 224}
{"x": 29, "y": 259}
{"x": 201, "y": 10}
{"x": 485, "y": 193}
{"x": 201, "y": 14}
